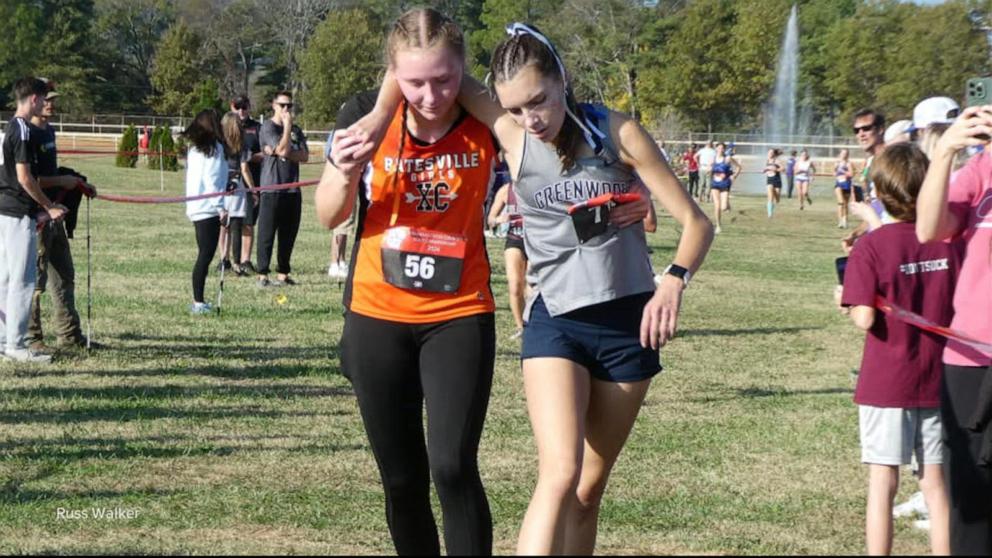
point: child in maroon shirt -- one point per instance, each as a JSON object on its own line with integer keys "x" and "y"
{"x": 898, "y": 391}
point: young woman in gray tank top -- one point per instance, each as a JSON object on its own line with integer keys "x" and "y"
{"x": 596, "y": 320}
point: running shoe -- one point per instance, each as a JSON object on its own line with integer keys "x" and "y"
{"x": 517, "y": 334}
{"x": 288, "y": 281}
{"x": 263, "y": 283}
{"x": 332, "y": 270}
{"x": 200, "y": 308}
{"x": 27, "y": 356}
{"x": 224, "y": 265}
{"x": 922, "y": 524}
{"x": 717, "y": 230}
{"x": 250, "y": 267}
{"x": 343, "y": 270}
{"x": 915, "y": 505}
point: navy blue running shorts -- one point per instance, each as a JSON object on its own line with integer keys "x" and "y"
{"x": 604, "y": 338}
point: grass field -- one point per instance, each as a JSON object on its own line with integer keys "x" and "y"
{"x": 238, "y": 435}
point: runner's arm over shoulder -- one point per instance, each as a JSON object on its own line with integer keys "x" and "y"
{"x": 638, "y": 150}
{"x": 476, "y": 99}
{"x": 335, "y": 194}
{"x": 365, "y": 118}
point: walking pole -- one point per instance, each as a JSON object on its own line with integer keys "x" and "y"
{"x": 220, "y": 288}
{"x": 89, "y": 281}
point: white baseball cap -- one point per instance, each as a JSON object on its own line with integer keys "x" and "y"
{"x": 935, "y": 110}
{"x": 896, "y": 129}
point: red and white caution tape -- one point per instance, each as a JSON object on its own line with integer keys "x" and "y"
{"x": 920, "y": 322}
{"x": 182, "y": 199}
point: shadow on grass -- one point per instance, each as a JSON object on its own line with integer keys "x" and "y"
{"x": 135, "y": 394}
{"x": 760, "y": 393}
{"x": 129, "y": 449}
{"x": 746, "y": 331}
{"x": 132, "y": 412}
{"x": 234, "y": 372}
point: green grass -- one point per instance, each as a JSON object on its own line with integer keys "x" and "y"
{"x": 239, "y": 435}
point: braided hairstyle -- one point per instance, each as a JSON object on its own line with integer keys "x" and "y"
{"x": 519, "y": 51}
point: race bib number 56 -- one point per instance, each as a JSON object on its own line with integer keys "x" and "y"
{"x": 422, "y": 259}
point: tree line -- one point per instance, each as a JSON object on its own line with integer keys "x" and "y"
{"x": 689, "y": 64}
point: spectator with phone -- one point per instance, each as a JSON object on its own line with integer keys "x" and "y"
{"x": 959, "y": 206}
{"x": 898, "y": 390}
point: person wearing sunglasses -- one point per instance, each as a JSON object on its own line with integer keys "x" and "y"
{"x": 279, "y": 212}
{"x": 869, "y": 130}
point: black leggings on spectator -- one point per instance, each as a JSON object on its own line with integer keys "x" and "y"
{"x": 969, "y": 483}
{"x": 395, "y": 369}
{"x": 693, "y": 183}
{"x": 207, "y": 235}
{"x": 278, "y": 213}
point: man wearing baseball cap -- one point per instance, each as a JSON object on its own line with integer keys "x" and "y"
{"x": 55, "y": 267}
{"x": 241, "y": 105}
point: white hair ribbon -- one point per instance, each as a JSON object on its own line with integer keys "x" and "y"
{"x": 593, "y": 135}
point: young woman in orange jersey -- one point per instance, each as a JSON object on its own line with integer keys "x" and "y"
{"x": 419, "y": 326}
{"x": 594, "y": 326}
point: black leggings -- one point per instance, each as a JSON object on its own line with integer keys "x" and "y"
{"x": 969, "y": 483}
{"x": 395, "y": 368}
{"x": 278, "y": 214}
{"x": 207, "y": 235}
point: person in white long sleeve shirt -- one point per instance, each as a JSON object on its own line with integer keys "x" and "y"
{"x": 206, "y": 173}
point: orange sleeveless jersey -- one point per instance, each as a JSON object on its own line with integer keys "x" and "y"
{"x": 441, "y": 187}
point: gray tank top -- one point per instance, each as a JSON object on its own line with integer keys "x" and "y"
{"x": 569, "y": 274}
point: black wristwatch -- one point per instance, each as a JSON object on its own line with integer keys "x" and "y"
{"x": 680, "y": 272}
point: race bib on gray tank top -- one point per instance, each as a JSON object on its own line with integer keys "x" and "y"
{"x": 569, "y": 273}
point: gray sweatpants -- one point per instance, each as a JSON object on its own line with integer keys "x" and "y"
{"x": 18, "y": 273}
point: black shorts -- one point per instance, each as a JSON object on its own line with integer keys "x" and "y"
{"x": 251, "y": 210}
{"x": 513, "y": 241}
{"x": 604, "y": 338}
{"x": 774, "y": 181}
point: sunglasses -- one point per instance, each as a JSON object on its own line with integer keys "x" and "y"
{"x": 242, "y": 106}
{"x": 868, "y": 128}
{"x": 285, "y": 105}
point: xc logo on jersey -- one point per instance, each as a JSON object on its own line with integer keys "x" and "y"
{"x": 432, "y": 197}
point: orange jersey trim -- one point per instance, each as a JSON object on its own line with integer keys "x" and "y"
{"x": 441, "y": 187}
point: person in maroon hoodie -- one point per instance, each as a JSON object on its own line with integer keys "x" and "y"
{"x": 898, "y": 390}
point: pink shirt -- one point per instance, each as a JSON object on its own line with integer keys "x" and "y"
{"x": 970, "y": 199}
